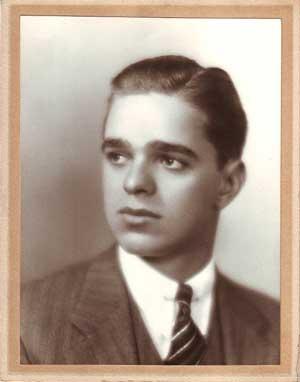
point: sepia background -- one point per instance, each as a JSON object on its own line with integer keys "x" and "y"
{"x": 66, "y": 67}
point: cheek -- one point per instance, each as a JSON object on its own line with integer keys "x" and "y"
{"x": 194, "y": 193}
{"x": 112, "y": 178}
{"x": 111, "y": 187}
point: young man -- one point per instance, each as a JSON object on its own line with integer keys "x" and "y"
{"x": 172, "y": 145}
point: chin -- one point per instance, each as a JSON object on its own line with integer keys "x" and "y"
{"x": 141, "y": 245}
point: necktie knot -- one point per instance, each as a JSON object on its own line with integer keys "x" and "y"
{"x": 184, "y": 294}
{"x": 184, "y": 298}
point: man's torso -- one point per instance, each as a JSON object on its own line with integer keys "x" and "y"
{"x": 85, "y": 315}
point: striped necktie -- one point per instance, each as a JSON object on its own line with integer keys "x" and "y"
{"x": 188, "y": 345}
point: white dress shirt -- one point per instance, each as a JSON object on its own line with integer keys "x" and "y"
{"x": 154, "y": 294}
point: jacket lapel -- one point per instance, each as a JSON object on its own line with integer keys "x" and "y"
{"x": 215, "y": 353}
{"x": 147, "y": 353}
{"x": 102, "y": 313}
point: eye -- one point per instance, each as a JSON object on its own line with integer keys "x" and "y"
{"x": 116, "y": 158}
{"x": 172, "y": 163}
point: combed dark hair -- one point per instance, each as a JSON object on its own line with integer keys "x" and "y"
{"x": 208, "y": 89}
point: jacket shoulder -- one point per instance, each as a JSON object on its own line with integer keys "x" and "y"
{"x": 256, "y": 319}
{"x": 50, "y": 305}
{"x": 61, "y": 286}
{"x": 45, "y": 307}
{"x": 252, "y": 304}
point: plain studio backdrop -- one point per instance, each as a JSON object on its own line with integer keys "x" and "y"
{"x": 66, "y": 67}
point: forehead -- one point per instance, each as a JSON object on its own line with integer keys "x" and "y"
{"x": 140, "y": 118}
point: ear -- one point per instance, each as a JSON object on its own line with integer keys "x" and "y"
{"x": 233, "y": 178}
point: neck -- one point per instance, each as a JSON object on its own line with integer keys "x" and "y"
{"x": 178, "y": 270}
{"x": 182, "y": 263}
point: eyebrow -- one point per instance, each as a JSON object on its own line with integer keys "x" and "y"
{"x": 115, "y": 143}
{"x": 160, "y": 146}
{"x": 166, "y": 147}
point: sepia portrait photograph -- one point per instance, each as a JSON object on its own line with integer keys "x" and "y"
{"x": 155, "y": 186}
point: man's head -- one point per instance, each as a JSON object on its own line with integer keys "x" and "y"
{"x": 173, "y": 139}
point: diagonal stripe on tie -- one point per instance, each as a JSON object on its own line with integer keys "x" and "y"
{"x": 182, "y": 331}
{"x": 182, "y": 348}
{"x": 188, "y": 345}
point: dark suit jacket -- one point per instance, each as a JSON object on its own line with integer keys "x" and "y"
{"x": 84, "y": 315}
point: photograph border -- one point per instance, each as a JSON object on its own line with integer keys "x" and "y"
{"x": 10, "y": 195}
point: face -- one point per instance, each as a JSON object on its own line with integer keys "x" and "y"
{"x": 160, "y": 175}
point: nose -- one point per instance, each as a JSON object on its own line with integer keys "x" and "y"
{"x": 139, "y": 179}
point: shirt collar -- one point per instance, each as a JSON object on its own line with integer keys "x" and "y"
{"x": 148, "y": 286}
{"x": 203, "y": 282}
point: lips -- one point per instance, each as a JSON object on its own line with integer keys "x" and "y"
{"x": 139, "y": 212}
